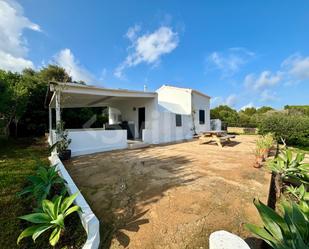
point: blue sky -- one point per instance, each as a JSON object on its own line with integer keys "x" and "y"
{"x": 242, "y": 53}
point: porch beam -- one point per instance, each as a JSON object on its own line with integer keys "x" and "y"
{"x": 99, "y": 100}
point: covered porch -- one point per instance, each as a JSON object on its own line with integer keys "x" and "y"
{"x": 129, "y": 116}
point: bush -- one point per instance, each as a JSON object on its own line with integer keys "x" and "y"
{"x": 293, "y": 128}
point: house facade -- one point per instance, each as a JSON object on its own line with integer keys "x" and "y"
{"x": 170, "y": 114}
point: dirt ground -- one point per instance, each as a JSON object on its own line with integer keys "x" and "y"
{"x": 172, "y": 196}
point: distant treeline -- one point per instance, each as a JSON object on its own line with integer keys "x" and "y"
{"x": 290, "y": 124}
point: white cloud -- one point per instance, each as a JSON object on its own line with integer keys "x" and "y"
{"x": 231, "y": 100}
{"x": 228, "y": 62}
{"x": 297, "y": 67}
{"x": 132, "y": 32}
{"x": 66, "y": 59}
{"x": 268, "y": 96}
{"x": 216, "y": 101}
{"x": 264, "y": 80}
{"x": 249, "y": 105}
{"x": 13, "y": 45}
{"x": 148, "y": 48}
{"x": 15, "y": 64}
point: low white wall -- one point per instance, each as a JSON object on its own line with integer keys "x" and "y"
{"x": 215, "y": 124}
{"x": 89, "y": 220}
{"x": 87, "y": 141}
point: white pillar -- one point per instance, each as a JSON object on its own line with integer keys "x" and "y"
{"x": 50, "y": 119}
{"x": 58, "y": 111}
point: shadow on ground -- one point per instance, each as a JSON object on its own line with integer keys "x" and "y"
{"x": 119, "y": 193}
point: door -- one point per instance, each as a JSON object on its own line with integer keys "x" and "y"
{"x": 141, "y": 121}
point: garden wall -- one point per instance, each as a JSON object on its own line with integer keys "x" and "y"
{"x": 89, "y": 220}
{"x": 242, "y": 130}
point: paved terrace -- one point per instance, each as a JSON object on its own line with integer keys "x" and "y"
{"x": 172, "y": 196}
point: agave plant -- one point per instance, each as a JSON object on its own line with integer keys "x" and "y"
{"x": 51, "y": 217}
{"x": 290, "y": 167}
{"x": 42, "y": 183}
{"x": 300, "y": 193}
{"x": 289, "y": 231}
{"x": 302, "y": 196}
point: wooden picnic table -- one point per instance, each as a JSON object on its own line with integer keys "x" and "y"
{"x": 215, "y": 136}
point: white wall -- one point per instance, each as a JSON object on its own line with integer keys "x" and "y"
{"x": 172, "y": 101}
{"x": 126, "y": 109}
{"x": 200, "y": 102}
{"x": 89, "y": 220}
{"x": 175, "y": 100}
{"x": 87, "y": 141}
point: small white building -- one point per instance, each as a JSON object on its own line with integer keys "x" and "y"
{"x": 170, "y": 114}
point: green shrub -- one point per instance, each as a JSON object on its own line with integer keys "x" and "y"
{"x": 51, "y": 217}
{"x": 290, "y": 167}
{"x": 294, "y": 129}
{"x": 287, "y": 231}
{"x": 42, "y": 184}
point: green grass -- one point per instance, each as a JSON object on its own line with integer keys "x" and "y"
{"x": 17, "y": 161}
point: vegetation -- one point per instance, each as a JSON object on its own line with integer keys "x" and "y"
{"x": 51, "y": 217}
{"x": 287, "y": 231}
{"x": 63, "y": 141}
{"x": 290, "y": 168}
{"x": 292, "y": 128}
{"x": 43, "y": 183}
{"x": 18, "y": 160}
{"x": 263, "y": 147}
{"x": 291, "y": 124}
{"x": 22, "y": 97}
{"x": 288, "y": 228}
{"x": 244, "y": 118}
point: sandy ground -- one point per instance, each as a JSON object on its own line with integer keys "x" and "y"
{"x": 172, "y": 196}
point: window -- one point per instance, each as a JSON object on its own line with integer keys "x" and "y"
{"x": 178, "y": 120}
{"x": 202, "y": 116}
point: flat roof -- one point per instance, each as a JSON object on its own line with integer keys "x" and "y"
{"x": 184, "y": 89}
{"x": 78, "y": 95}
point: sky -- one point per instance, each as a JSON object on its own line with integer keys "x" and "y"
{"x": 241, "y": 53}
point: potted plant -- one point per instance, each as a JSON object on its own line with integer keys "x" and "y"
{"x": 63, "y": 142}
{"x": 259, "y": 157}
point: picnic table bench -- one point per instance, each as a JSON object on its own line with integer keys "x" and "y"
{"x": 215, "y": 136}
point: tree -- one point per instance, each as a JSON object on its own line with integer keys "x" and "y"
{"x": 293, "y": 128}
{"x": 249, "y": 111}
{"x": 263, "y": 109}
{"x": 14, "y": 98}
{"x": 54, "y": 73}
{"x": 226, "y": 114}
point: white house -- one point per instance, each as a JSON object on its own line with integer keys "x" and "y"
{"x": 167, "y": 115}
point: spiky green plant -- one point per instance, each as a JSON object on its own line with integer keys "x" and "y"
{"x": 287, "y": 231}
{"x": 290, "y": 167}
{"x": 52, "y": 217}
{"x": 300, "y": 193}
{"x": 41, "y": 184}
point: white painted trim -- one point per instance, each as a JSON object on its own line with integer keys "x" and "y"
{"x": 89, "y": 220}
{"x": 83, "y": 89}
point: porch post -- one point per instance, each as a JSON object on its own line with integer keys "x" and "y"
{"x": 50, "y": 124}
{"x": 58, "y": 111}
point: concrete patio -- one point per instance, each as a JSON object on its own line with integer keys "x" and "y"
{"x": 172, "y": 196}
